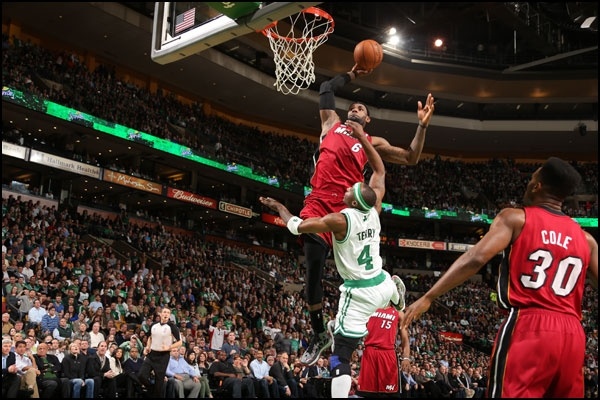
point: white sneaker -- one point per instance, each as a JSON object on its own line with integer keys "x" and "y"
{"x": 330, "y": 331}
{"x": 401, "y": 304}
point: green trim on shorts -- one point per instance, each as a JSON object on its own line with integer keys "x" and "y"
{"x": 363, "y": 283}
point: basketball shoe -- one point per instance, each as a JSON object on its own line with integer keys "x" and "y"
{"x": 401, "y": 292}
{"x": 330, "y": 330}
{"x": 318, "y": 344}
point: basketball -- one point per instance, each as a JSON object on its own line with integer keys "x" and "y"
{"x": 368, "y": 54}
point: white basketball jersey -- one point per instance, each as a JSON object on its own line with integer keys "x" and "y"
{"x": 357, "y": 255}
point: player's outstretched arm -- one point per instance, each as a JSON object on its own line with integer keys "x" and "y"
{"x": 410, "y": 156}
{"x": 334, "y": 222}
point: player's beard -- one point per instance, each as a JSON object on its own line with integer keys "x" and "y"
{"x": 357, "y": 119}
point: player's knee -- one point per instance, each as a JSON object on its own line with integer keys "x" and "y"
{"x": 344, "y": 347}
{"x": 340, "y": 368}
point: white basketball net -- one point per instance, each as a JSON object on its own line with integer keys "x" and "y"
{"x": 293, "y": 50}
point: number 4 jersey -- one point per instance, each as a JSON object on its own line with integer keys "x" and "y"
{"x": 357, "y": 255}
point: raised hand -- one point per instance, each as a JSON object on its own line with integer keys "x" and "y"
{"x": 424, "y": 113}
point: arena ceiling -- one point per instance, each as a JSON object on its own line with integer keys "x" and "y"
{"x": 508, "y": 123}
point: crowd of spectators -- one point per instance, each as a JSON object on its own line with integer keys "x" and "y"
{"x": 481, "y": 187}
{"x": 93, "y": 290}
{"x": 102, "y": 296}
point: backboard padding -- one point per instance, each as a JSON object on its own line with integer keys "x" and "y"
{"x": 168, "y": 48}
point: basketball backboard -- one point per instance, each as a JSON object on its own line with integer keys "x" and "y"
{"x": 181, "y": 29}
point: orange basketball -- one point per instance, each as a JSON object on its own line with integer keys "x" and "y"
{"x": 368, "y": 54}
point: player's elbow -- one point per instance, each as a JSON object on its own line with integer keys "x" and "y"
{"x": 412, "y": 158}
{"x": 325, "y": 87}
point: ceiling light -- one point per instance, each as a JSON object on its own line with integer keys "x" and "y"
{"x": 588, "y": 22}
{"x": 394, "y": 40}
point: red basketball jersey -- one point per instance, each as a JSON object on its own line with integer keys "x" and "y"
{"x": 379, "y": 370}
{"x": 546, "y": 265}
{"x": 341, "y": 162}
{"x": 540, "y": 346}
{"x": 383, "y": 328}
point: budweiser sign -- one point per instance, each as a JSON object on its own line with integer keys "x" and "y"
{"x": 451, "y": 337}
{"x": 235, "y": 209}
{"x": 191, "y": 198}
{"x": 273, "y": 220}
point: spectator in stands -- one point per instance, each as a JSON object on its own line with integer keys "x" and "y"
{"x": 27, "y": 297}
{"x": 132, "y": 315}
{"x": 58, "y": 348}
{"x": 217, "y": 335}
{"x": 223, "y": 377}
{"x": 479, "y": 383}
{"x": 242, "y": 369}
{"x": 82, "y": 332}
{"x": 427, "y": 387}
{"x": 458, "y": 389}
{"x": 184, "y": 378}
{"x": 192, "y": 360}
{"x": 442, "y": 380}
{"x": 283, "y": 374}
{"x": 133, "y": 342}
{"x": 96, "y": 303}
{"x": 98, "y": 368}
{"x": 231, "y": 347}
{"x": 13, "y": 302}
{"x": 84, "y": 348}
{"x": 131, "y": 368}
{"x": 35, "y": 313}
{"x": 50, "y": 320}
{"x": 74, "y": 369}
{"x": 63, "y": 331}
{"x": 6, "y": 324}
{"x": 26, "y": 369}
{"x": 50, "y": 380}
{"x": 11, "y": 382}
{"x": 116, "y": 365}
{"x": 307, "y": 386}
{"x": 264, "y": 383}
{"x": 96, "y": 335}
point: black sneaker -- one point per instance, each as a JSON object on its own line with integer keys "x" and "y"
{"x": 318, "y": 344}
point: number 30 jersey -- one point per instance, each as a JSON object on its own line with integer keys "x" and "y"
{"x": 546, "y": 266}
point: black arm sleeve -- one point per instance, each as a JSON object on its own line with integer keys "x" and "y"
{"x": 328, "y": 88}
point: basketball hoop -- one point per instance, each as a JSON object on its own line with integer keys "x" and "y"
{"x": 293, "y": 51}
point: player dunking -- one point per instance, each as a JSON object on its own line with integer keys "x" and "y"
{"x": 356, "y": 233}
{"x": 340, "y": 164}
{"x": 540, "y": 347}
